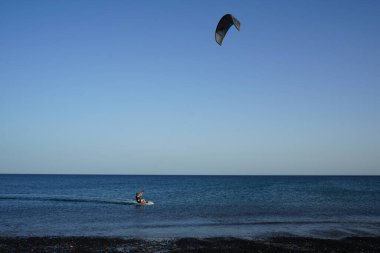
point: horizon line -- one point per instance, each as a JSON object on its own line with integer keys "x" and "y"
{"x": 238, "y": 175}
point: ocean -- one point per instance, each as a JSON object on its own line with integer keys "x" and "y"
{"x": 189, "y": 206}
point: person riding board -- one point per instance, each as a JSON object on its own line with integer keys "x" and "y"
{"x": 139, "y": 199}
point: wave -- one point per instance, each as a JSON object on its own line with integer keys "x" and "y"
{"x": 69, "y": 199}
{"x": 257, "y": 223}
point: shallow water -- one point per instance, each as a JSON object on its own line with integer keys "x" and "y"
{"x": 243, "y": 206}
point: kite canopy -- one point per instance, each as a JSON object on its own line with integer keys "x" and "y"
{"x": 224, "y": 24}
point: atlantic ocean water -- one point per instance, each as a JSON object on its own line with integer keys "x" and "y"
{"x": 198, "y": 206}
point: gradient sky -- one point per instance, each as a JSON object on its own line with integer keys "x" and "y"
{"x": 141, "y": 87}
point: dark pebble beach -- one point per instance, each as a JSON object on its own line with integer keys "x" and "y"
{"x": 224, "y": 244}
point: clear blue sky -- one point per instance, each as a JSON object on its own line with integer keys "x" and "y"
{"x": 141, "y": 87}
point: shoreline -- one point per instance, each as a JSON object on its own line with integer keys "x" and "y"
{"x": 188, "y": 244}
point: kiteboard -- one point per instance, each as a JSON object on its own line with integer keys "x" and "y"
{"x": 147, "y": 203}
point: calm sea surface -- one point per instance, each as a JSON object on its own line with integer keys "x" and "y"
{"x": 201, "y": 206}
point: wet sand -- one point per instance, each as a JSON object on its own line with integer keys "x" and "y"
{"x": 225, "y": 244}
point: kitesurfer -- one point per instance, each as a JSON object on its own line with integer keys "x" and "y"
{"x": 139, "y": 199}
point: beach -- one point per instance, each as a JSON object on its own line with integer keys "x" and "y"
{"x": 216, "y": 244}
